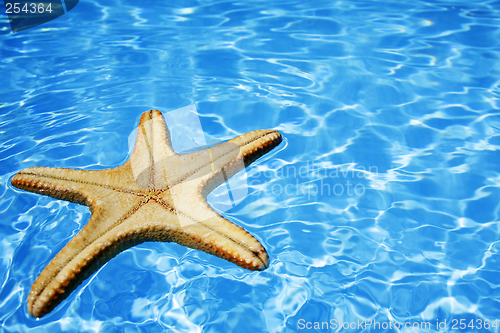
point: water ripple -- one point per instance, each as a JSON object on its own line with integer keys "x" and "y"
{"x": 381, "y": 204}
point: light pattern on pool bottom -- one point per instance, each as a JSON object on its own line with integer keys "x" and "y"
{"x": 382, "y": 204}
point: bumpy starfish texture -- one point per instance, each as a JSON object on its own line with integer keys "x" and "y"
{"x": 157, "y": 195}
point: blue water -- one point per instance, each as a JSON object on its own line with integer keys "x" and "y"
{"x": 381, "y": 205}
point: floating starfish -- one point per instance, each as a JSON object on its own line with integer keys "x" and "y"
{"x": 157, "y": 195}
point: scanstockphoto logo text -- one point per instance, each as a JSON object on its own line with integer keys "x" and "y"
{"x": 314, "y": 179}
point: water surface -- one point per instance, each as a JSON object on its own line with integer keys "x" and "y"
{"x": 382, "y": 205}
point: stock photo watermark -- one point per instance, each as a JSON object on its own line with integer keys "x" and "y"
{"x": 454, "y": 324}
{"x": 313, "y": 179}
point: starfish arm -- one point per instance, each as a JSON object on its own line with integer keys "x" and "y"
{"x": 226, "y": 240}
{"x": 89, "y": 250}
{"x": 256, "y": 144}
{"x": 153, "y": 137}
{"x": 57, "y": 183}
{"x": 73, "y": 185}
{"x": 226, "y": 159}
{"x": 251, "y": 146}
{"x": 152, "y": 146}
{"x": 101, "y": 221}
{"x": 210, "y": 232}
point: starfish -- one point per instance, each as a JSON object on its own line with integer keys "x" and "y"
{"x": 157, "y": 195}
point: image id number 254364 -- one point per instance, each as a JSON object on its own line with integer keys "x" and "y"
{"x": 32, "y": 8}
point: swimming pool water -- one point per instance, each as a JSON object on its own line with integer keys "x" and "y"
{"x": 381, "y": 205}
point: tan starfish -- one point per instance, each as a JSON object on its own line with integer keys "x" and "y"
{"x": 157, "y": 195}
